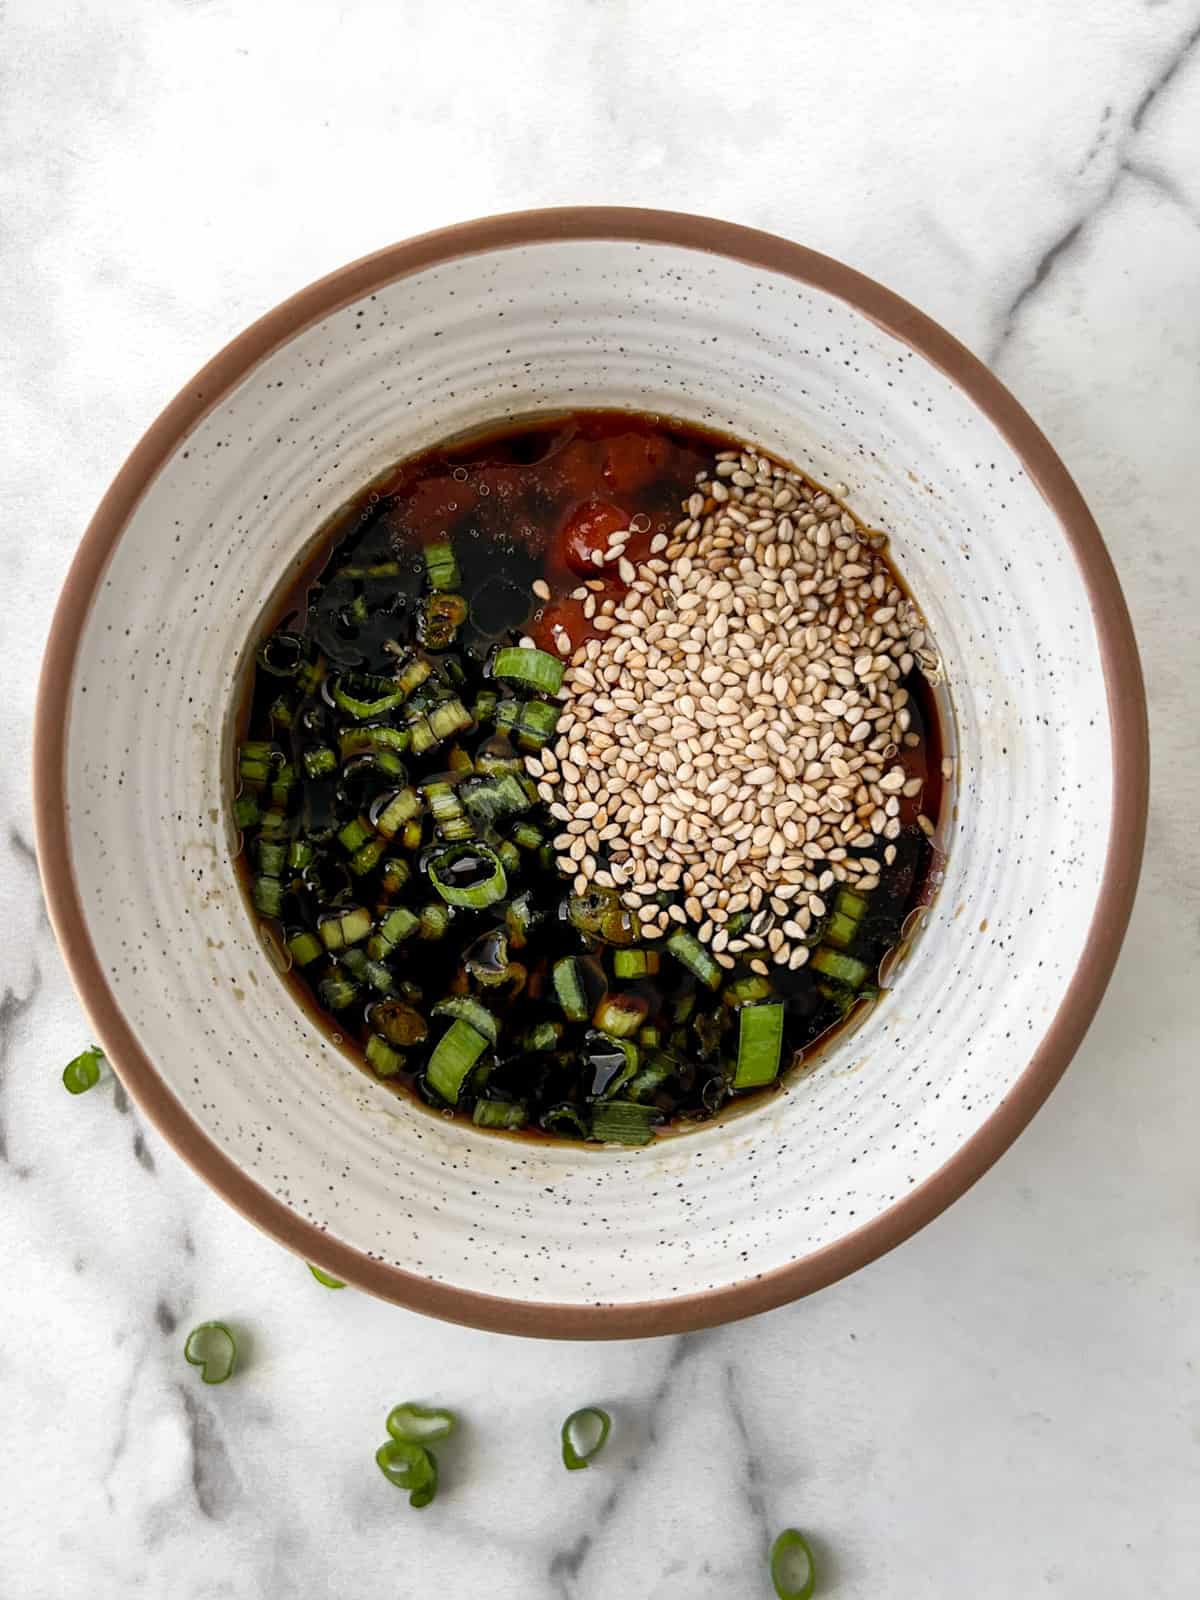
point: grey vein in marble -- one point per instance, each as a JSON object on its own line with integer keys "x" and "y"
{"x": 1123, "y": 166}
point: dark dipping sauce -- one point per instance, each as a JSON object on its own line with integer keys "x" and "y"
{"x": 530, "y": 502}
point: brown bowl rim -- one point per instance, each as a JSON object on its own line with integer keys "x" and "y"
{"x": 1126, "y": 703}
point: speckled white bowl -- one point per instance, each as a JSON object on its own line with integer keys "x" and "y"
{"x": 219, "y": 504}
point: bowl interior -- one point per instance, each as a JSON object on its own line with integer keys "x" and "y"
{"x": 553, "y": 324}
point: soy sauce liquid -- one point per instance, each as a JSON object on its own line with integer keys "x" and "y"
{"x": 533, "y": 501}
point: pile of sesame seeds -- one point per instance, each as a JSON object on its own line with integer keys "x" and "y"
{"x": 728, "y": 749}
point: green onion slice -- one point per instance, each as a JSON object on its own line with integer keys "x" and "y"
{"x": 844, "y": 969}
{"x": 635, "y": 963}
{"x": 568, "y": 986}
{"x": 420, "y": 1424}
{"x": 760, "y": 1045}
{"x": 536, "y": 668}
{"x": 83, "y": 1073}
{"x": 499, "y": 1114}
{"x": 409, "y": 1466}
{"x": 691, "y": 953}
{"x": 384, "y": 696}
{"x": 793, "y": 1571}
{"x": 211, "y": 1347}
{"x": 470, "y": 1010}
{"x": 441, "y": 565}
{"x": 456, "y": 1052}
{"x": 324, "y": 1277}
{"x": 469, "y": 875}
{"x": 623, "y": 1122}
{"x": 583, "y": 1436}
{"x": 621, "y": 1014}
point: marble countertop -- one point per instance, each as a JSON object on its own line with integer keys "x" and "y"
{"x": 1007, "y": 1405}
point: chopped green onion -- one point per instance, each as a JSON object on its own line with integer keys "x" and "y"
{"x": 83, "y": 1073}
{"x": 274, "y": 825}
{"x": 498, "y": 795}
{"x": 246, "y": 810}
{"x": 456, "y": 1052}
{"x": 850, "y": 904}
{"x": 542, "y": 1036}
{"x": 568, "y": 986}
{"x": 336, "y": 993}
{"x": 468, "y": 875}
{"x": 623, "y": 1122}
{"x": 355, "y": 963}
{"x": 536, "y": 723}
{"x": 304, "y": 948}
{"x": 409, "y": 1466}
{"x": 746, "y": 990}
{"x": 255, "y": 761}
{"x": 356, "y": 832}
{"x": 319, "y": 761}
{"x": 397, "y": 926}
{"x": 349, "y": 694}
{"x": 536, "y": 668}
{"x": 281, "y": 784}
{"x": 267, "y": 894}
{"x": 311, "y": 675}
{"x": 635, "y": 963}
{"x": 378, "y": 976}
{"x": 621, "y": 1014}
{"x": 420, "y": 1424}
{"x": 470, "y": 1010}
{"x": 646, "y": 1083}
{"x": 213, "y": 1349}
{"x": 435, "y": 919}
{"x": 449, "y": 718}
{"x": 366, "y": 858}
{"x": 372, "y": 738}
{"x": 509, "y": 855}
{"x": 584, "y": 1435}
{"x": 519, "y": 916}
{"x": 415, "y": 671}
{"x": 485, "y": 705}
{"x": 324, "y": 1277}
{"x": 272, "y": 857}
{"x": 845, "y": 969}
{"x": 496, "y": 755}
{"x": 385, "y": 1060}
{"x": 300, "y": 854}
{"x": 841, "y": 930}
{"x": 441, "y": 566}
{"x": 390, "y": 814}
{"x": 448, "y": 816}
{"x": 281, "y": 713}
{"x": 499, "y": 1114}
{"x": 760, "y": 1045}
{"x": 566, "y": 1121}
{"x": 339, "y": 929}
{"x": 691, "y": 953}
{"x": 793, "y": 1570}
{"x": 394, "y": 874}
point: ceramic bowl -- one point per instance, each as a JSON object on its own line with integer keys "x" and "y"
{"x": 220, "y": 503}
